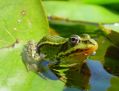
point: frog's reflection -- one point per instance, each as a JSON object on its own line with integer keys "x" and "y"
{"x": 92, "y": 76}
{"x": 99, "y": 78}
{"x": 78, "y": 78}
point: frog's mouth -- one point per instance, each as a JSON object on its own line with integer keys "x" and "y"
{"x": 76, "y": 56}
{"x": 88, "y": 51}
{"x": 83, "y": 52}
{"x": 79, "y": 52}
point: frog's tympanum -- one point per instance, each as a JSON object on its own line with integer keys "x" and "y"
{"x": 65, "y": 55}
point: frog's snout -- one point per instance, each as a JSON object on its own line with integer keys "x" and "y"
{"x": 94, "y": 48}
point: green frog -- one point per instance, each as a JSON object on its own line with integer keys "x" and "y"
{"x": 61, "y": 53}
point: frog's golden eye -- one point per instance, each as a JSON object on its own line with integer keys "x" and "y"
{"x": 74, "y": 39}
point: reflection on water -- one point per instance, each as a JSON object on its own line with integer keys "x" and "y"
{"x": 47, "y": 73}
{"x": 78, "y": 78}
{"x": 112, "y": 60}
{"x": 92, "y": 77}
{"x": 100, "y": 79}
{"x": 71, "y": 89}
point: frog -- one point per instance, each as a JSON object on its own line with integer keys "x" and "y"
{"x": 61, "y": 53}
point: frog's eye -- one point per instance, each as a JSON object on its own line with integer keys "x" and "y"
{"x": 74, "y": 39}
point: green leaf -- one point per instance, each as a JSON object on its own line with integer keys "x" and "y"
{"x": 97, "y": 1}
{"x": 81, "y": 12}
{"x": 22, "y": 20}
{"x": 111, "y": 31}
{"x": 15, "y": 77}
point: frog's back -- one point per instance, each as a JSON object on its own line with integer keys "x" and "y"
{"x": 52, "y": 40}
{"x": 51, "y": 45}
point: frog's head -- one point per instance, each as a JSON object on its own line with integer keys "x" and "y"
{"x": 83, "y": 44}
{"x": 78, "y": 48}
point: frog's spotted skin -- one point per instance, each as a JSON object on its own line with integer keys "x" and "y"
{"x": 62, "y": 53}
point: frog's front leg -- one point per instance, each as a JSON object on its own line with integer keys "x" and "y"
{"x": 31, "y": 58}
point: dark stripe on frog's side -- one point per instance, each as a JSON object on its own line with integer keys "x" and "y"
{"x": 59, "y": 50}
{"x": 62, "y": 47}
{"x": 75, "y": 51}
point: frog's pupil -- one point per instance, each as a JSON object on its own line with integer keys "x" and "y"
{"x": 73, "y": 39}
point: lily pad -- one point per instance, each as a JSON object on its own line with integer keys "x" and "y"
{"x": 81, "y": 12}
{"x": 21, "y": 20}
{"x": 111, "y": 31}
{"x": 97, "y": 1}
{"x": 15, "y": 77}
